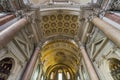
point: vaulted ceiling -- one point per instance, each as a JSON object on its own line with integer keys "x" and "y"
{"x": 60, "y": 53}
{"x": 58, "y": 26}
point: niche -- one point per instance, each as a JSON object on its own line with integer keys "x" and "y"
{"x": 5, "y": 68}
{"x": 114, "y": 66}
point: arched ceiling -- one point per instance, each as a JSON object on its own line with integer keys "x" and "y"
{"x": 60, "y": 52}
{"x": 57, "y": 50}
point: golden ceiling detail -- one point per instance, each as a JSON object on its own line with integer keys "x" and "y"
{"x": 59, "y": 24}
{"x": 60, "y": 52}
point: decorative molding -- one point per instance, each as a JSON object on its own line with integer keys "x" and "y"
{"x": 60, "y": 6}
{"x": 97, "y": 47}
{"x": 23, "y": 46}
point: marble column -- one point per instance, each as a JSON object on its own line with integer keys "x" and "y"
{"x": 7, "y": 34}
{"x": 110, "y": 31}
{"x": 91, "y": 71}
{"x": 6, "y": 18}
{"x": 113, "y": 17}
{"x": 30, "y": 67}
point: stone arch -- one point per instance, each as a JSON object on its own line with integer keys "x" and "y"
{"x": 6, "y": 65}
{"x": 114, "y": 67}
{"x": 106, "y": 70}
{"x": 15, "y": 61}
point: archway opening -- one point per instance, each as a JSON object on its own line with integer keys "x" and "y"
{"x": 61, "y": 73}
{"x": 6, "y": 65}
{"x": 114, "y": 66}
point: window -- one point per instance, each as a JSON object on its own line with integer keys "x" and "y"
{"x": 42, "y": 78}
{"x": 36, "y": 73}
{"x": 60, "y": 76}
{"x": 52, "y": 76}
{"x": 94, "y": 1}
{"x": 5, "y": 67}
{"x": 78, "y": 78}
{"x": 68, "y": 76}
{"x": 60, "y": 73}
{"x": 26, "y": 1}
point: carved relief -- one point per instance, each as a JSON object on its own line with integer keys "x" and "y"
{"x": 23, "y": 45}
{"x": 97, "y": 47}
{"x": 24, "y": 42}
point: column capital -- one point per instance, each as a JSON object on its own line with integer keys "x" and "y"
{"x": 79, "y": 43}
{"x": 109, "y": 30}
{"x": 29, "y": 16}
{"x": 97, "y": 13}
{"x": 91, "y": 17}
{"x": 81, "y": 46}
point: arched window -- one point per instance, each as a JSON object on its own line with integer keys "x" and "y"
{"x": 68, "y": 75}
{"x": 5, "y": 68}
{"x": 52, "y": 76}
{"x": 61, "y": 73}
{"x": 114, "y": 66}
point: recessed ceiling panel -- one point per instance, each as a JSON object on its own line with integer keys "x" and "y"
{"x": 59, "y": 24}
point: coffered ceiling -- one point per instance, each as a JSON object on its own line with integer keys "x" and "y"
{"x": 60, "y": 52}
{"x": 59, "y": 24}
